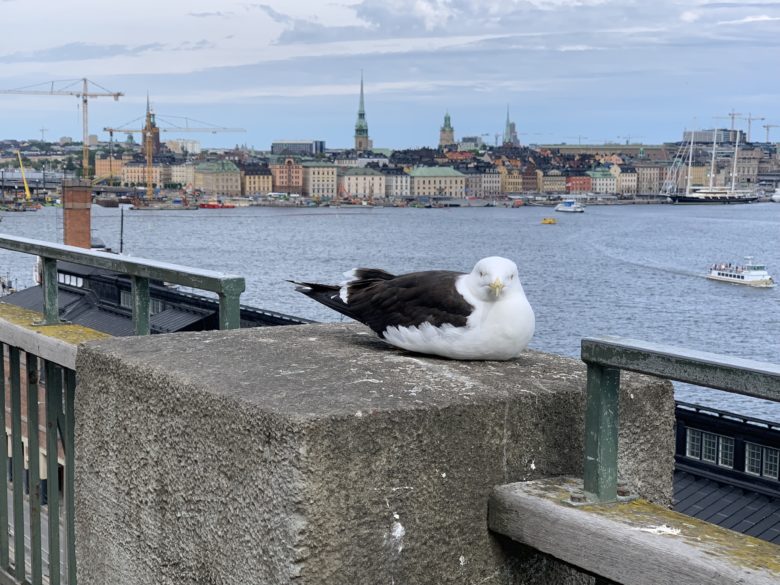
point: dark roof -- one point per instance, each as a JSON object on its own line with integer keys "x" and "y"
{"x": 737, "y": 508}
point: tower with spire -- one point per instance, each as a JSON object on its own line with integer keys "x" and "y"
{"x": 362, "y": 141}
{"x": 510, "y": 132}
{"x": 447, "y": 133}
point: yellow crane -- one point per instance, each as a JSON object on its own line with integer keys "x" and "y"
{"x": 147, "y": 132}
{"x": 27, "y": 195}
{"x": 84, "y": 93}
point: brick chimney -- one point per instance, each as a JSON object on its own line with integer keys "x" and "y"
{"x": 77, "y": 213}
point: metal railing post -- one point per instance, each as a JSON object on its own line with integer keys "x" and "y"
{"x": 229, "y": 307}
{"x": 33, "y": 467}
{"x": 601, "y": 432}
{"x": 4, "y": 555}
{"x": 51, "y": 307}
{"x": 53, "y": 414}
{"x": 141, "y": 316}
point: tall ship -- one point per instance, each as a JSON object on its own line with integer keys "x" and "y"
{"x": 712, "y": 194}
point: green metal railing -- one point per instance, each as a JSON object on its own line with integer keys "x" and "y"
{"x": 606, "y": 356}
{"x": 228, "y": 287}
{"x": 23, "y": 559}
{"x": 39, "y": 370}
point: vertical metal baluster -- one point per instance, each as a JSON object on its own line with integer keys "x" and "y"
{"x": 4, "y": 532}
{"x": 70, "y": 459}
{"x": 141, "y": 305}
{"x": 34, "y": 479}
{"x": 17, "y": 452}
{"x": 230, "y": 304}
{"x": 601, "y": 432}
{"x": 51, "y": 309}
{"x": 53, "y": 413}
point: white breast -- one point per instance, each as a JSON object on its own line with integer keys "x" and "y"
{"x": 498, "y": 330}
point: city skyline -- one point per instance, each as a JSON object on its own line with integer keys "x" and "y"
{"x": 569, "y": 70}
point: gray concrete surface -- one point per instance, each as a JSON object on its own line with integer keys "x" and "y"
{"x": 319, "y": 455}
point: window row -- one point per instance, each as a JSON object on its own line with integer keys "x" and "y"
{"x": 760, "y": 460}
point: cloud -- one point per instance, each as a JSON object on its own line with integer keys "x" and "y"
{"x": 218, "y": 14}
{"x": 274, "y": 14}
{"x": 690, "y": 16}
{"x": 79, "y": 52}
{"x": 750, "y": 20}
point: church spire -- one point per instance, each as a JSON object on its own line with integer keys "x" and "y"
{"x": 362, "y": 142}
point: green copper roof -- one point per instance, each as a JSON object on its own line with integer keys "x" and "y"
{"x": 435, "y": 172}
{"x": 361, "y": 126}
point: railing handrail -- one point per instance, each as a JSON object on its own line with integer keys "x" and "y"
{"x": 606, "y": 356}
{"x": 712, "y": 370}
{"x": 227, "y": 286}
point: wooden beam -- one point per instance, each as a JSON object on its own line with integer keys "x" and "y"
{"x": 634, "y": 543}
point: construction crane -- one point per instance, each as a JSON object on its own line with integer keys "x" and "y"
{"x": 27, "y": 194}
{"x": 750, "y": 119}
{"x": 84, "y": 94}
{"x": 148, "y": 133}
{"x": 732, "y": 114}
{"x": 767, "y": 127}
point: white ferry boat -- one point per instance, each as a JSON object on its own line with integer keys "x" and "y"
{"x": 750, "y": 273}
{"x": 570, "y": 206}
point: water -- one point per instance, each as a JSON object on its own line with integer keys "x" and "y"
{"x": 633, "y": 271}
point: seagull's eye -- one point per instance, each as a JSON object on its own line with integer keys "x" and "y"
{"x": 482, "y": 274}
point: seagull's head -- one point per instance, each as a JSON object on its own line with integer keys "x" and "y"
{"x": 494, "y": 277}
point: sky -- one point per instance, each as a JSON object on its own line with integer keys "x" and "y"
{"x": 587, "y": 71}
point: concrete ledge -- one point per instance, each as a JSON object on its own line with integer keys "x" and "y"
{"x": 634, "y": 543}
{"x": 56, "y": 343}
{"x": 317, "y": 454}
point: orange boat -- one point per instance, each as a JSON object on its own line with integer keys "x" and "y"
{"x": 215, "y": 205}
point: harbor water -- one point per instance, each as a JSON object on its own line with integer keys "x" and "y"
{"x": 629, "y": 270}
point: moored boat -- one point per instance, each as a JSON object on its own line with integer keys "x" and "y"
{"x": 750, "y": 273}
{"x": 215, "y": 205}
{"x": 570, "y": 206}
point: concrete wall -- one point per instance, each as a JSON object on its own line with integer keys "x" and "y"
{"x": 318, "y": 455}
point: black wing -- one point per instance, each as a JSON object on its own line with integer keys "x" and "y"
{"x": 381, "y": 300}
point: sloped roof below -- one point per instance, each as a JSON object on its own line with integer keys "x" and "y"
{"x": 729, "y": 506}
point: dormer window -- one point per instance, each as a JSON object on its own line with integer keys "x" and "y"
{"x": 70, "y": 280}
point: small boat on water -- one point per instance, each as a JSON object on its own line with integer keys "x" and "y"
{"x": 570, "y": 206}
{"x": 549, "y": 221}
{"x": 215, "y": 205}
{"x": 750, "y": 273}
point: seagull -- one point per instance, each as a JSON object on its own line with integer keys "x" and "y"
{"x": 480, "y": 315}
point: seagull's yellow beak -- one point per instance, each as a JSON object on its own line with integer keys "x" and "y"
{"x": 496, "y": 286}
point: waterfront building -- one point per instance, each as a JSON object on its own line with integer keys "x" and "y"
{"x": 134, "y": 173}
{"x": 256, "y": 179}
{"x": 361, "y": 183}
{"x": 362, "y": 141}
{"x": 398, "y": 184}
{"x": 218, "y": 178}
{"x": 530, "y": 179}
{"x": 287, "y": 176}
{"x": 553, "y": 181}
{"x": 472, "y": 182}
{"x": 511, "y": 179}
{"x": 319, "y": 180}
{"x": 437, "y": 182}
{"x": 626, "y": 180}
{"x": 298, "y": 147}
{"x": 603, "y": 181}
{"x": 649, "y": 177}
{"x": 491, "y": 182}
{"x": 699, "y": 176}
{"x": 579, "y": 184}
{"x": 447, "y": 133}
{"x": 183, "y": 174}
{"x": 108, "y": 167}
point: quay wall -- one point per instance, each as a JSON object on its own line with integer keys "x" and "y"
{"x": 316, "y": 454}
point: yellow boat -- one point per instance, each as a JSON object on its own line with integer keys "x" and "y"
{"x": 549, "y": 220}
